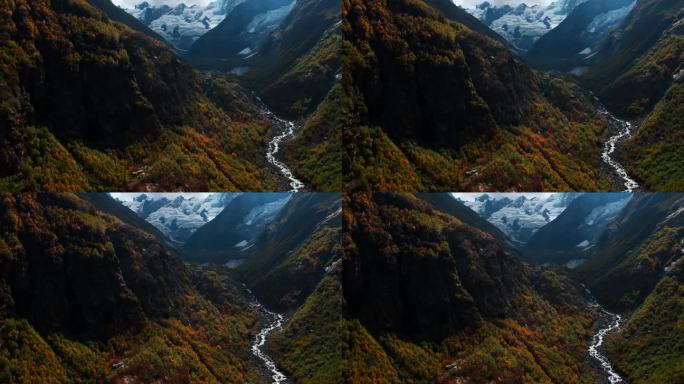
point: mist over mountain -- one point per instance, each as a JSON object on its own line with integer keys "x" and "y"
{"x": 553, "y": 228}
{"x": 447, "y": 204}
{"x": 268, "y": 42}
{"x": 282, "y": 244}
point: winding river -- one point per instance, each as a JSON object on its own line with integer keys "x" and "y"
{"x": 623, "y": 130}
{"x": 611, "y": 322}
{"x": 283, "y": 130}
{"x": 274, "y": 321}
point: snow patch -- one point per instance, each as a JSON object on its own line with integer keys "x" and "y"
{"x": 583, "y": 244}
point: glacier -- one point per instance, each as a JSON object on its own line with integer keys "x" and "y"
{"x": 181, "y": 24}
{"x": 518, "y": 215}
{"x": 520, "y": 23}
{"x": 177, "y": 216}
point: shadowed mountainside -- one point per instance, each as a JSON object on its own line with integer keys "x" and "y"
{"x": 436, "y": 299}
{"x": 437, "y": 105}
{"x": 87, "y": 297}
{"x": 91, "y": 104}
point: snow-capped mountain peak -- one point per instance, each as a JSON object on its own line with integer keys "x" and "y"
{"x": 520, "y": 23}
{"x": 180, "y": 216}
{"x": 181, "y": 24}
{"x": 520, "y": 215}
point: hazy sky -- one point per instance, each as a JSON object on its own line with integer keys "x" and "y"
{"x": 170, "y": 196}
{"x": 473, "y": 3}
{"x": 472, "y": 196}
{"x": 132, "y": 3}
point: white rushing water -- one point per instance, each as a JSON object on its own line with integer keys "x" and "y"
{"x": 614, "y": 321}
{"x": 286, "y": 131}
{"x": 624, "y": 130}
{"x": 275, "y": 322}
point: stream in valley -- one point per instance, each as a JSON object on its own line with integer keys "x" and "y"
{"x": 609, "y": 323}
{"x": 620, "y": 130}
{"x": 273, "y": 322}
{"x": 282, "y": 130}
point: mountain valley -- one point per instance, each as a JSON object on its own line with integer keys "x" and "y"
{"x": 442, "y": 97}
{"x": 440, "y": 296}
{"x": 367, "y": 288}
{"x": 99, "y": 99}
{"x": 93, "y": 293}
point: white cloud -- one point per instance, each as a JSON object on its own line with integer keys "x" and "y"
{"x": 473, "y": 3}
{"x": 133, "y": 3}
